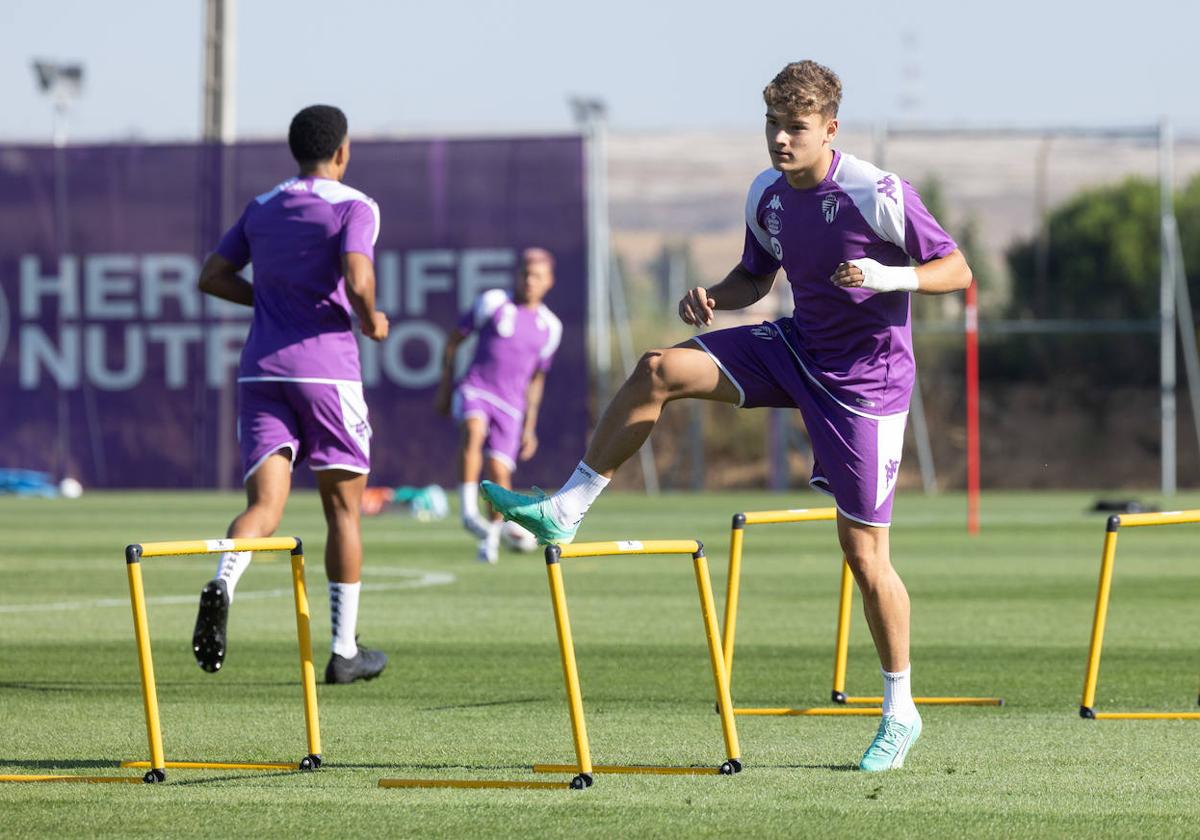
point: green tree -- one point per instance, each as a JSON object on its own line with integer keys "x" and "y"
{"x": 1103, "y": 254}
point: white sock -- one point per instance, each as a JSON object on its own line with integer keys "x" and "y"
{"x": 897, "y": 695}
{"x": 230, "y": 569}
{"x": 583, "y": 487}
{"x": 343, "y": 611}
{"x": 493, "y": 534}
{"x": 468, "y": 497}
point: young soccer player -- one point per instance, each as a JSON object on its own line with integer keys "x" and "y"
{"x": 844, "y": 231}
{"x": 496, "y": 403}
{"x": 311, "y": 240}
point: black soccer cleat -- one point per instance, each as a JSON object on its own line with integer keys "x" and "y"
{"x": 208, "y": 639}
{"x": 367, "y": 664}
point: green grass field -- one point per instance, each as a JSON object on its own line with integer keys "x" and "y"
{"x": 474, "y": 689}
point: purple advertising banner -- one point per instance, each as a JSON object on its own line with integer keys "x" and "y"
{"x": 116, "y": 370}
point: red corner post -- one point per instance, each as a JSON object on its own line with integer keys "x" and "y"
{"x": 972, "y": 342}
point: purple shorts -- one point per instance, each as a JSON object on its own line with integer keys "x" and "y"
{"x": 323, "y": 422}
{"x": 504, "y": 422}
{"x": 856, "y": 456}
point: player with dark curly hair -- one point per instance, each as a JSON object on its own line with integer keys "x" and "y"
{"x": 311, "y": 240}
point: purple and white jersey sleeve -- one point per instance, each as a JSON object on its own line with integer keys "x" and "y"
{"x": 359, "y": 214}
{"x": 893, "y": 209}
{"x": 760, "y": 254}
{"x": 553, "y": 338}
{"x": 234, "y": 246}
{"x": 362, "y": 228}
{"x": 485, "y": 306}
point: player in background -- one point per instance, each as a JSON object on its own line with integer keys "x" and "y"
{"x": 311, "y": 240}
{"x": 844, "y": 231}
{"x": 497, "y": 401}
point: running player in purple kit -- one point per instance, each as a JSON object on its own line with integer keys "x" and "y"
{"x": 311, "y": 240}
{"x": 844, "y": 231}
{"x": 497, "y": 401}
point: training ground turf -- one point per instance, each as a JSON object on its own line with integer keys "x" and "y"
{"x": 474, "y": 689}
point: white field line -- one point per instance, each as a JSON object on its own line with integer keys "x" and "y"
{"x": 415, "y": 579}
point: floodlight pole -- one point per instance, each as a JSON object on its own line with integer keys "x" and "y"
{"x": 1167, "y": 292}
{"x": 591, "y": 115}
{"x": 219, "y": 131}
{"x": 63, "y": 83}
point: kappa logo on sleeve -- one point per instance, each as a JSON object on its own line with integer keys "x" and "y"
{"x": 887, "y": 187}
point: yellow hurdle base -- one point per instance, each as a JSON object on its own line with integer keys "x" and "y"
{"x": 631, "y": 768}
{"x": 819, "y": 711}
{"x": 217, "y": 765}
{"x": 473, "y": 783}
{"x": 128, "y": 780}
{"x": 932, "y": 701}
{"x": 1146, "y": 715}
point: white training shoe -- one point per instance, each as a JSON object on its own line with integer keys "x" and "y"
{"x": 488, "y": 552}
{"x": 516, "y": 538}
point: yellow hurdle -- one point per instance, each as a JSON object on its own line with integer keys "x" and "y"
{"x": 708, "y": 613}
{"x": 583, "y": 769}
{"x": 842, "y": 638}
{"x": 158, "y": 765}
{"x": 1108, "y": 558}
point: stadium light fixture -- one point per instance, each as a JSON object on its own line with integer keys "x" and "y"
{"x": 63, "y": 83}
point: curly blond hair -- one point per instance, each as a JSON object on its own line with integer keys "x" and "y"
{"x": 805, "y": 87}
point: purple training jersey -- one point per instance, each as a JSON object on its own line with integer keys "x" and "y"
{"x": 855, "y": 343}
{"x": 514, "y": 343}
{"x": 295, "y": 235}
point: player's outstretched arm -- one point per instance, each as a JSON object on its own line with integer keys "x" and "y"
{"x": 441, "y": 399}
{"x": 533, "y": 403}
{"x": 936, "y": 277}
{"x": 738, "y": 290}
{"x": 360, "y": 289}
{"x": 219, "y": 278}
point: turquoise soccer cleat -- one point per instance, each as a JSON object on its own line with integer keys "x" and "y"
{"x": 891, "y": 745}
{"x": 530, "y": 512}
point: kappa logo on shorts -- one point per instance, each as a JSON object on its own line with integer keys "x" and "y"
{"x": 762, "y": 331}
{"x": 829, "y": 207}
{"x": 890, "y": 469}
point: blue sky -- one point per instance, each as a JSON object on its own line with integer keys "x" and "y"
{"x": 478, "y": 66}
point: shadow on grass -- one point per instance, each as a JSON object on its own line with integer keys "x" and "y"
{"x": 175, "y": 781}
{"x": 411, "y": 766}
{"x": 483, "y": 704}
{"x": 837, "y": 768}
{"x": 59, "y": 763}
{"x": 69, "y": 686}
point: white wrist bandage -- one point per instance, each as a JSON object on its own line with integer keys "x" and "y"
{"x": 886, "y": 278}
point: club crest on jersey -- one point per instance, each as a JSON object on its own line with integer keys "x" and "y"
{"x": 829, "y": 207}
{"x": 775, "y": 203}
{"x": 774, "y": 223}
{"x": 762, "y": 331}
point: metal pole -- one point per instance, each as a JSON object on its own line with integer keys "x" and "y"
{"x": 880, "y": 135}
{"x": 219, "y": 129}
{"x": 1167, "y": 292}
{"x": 972, "y": 385}
{"x": 590, "y": 114}
{"x": 1187, "y": 330}
{"x": 920, "y": 427}
{"x": 625, "y": 348}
